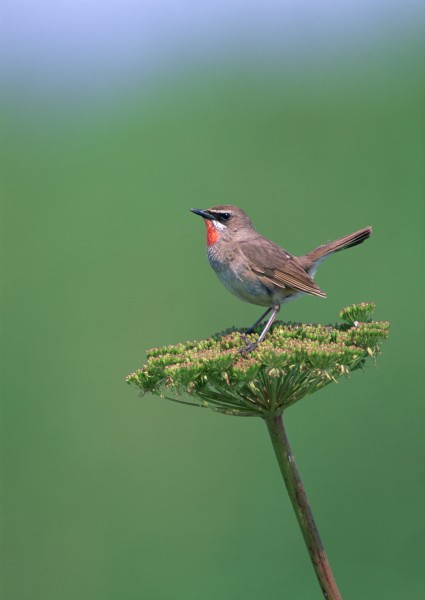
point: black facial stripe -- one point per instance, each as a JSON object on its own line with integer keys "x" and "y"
{"x": 221, "y": 216}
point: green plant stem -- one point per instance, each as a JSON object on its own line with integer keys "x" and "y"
{"x": 301, "y": 506}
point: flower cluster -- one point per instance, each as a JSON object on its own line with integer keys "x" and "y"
{"x": 293, "y": 361}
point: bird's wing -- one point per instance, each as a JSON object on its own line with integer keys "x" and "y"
{"x": 278, "y": 266}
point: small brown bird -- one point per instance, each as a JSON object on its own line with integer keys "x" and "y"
{"x": 258, "y": 271}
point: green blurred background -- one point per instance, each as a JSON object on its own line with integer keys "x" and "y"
{"x": 107, "y": 495}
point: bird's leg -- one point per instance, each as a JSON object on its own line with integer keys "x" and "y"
{"x": 250, "y": 346}
{"x": 251, "y": 329}
{"x": 269, "y": 323}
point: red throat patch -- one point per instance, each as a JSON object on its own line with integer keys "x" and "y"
{"x": 212, "y": 234}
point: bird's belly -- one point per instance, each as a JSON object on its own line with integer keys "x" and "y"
{"x": 247, "y": 286}
{"x": 250, "y": 288}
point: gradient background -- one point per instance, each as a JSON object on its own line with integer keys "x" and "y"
{"x": 116, "y": 118}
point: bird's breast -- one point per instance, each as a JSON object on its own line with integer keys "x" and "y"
{"x": 221, "y": 258}
{"x": 237, "y": 277}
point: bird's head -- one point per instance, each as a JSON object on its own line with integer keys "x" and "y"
{"x": 225, "y": 223}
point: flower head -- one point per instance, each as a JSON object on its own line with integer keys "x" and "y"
{"x": 293, "y": 361}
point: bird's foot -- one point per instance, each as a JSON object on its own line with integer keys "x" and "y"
{"x": 249, "y": 346}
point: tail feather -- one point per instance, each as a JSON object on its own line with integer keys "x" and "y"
{"x": 348, "y": 241}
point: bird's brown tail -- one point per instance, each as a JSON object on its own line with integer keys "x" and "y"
{"x": 348, "y": 241}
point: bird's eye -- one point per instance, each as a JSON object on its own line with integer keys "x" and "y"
{"x": 224, "y": 216}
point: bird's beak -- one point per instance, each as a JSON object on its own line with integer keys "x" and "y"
{"x": 203, "y": 213}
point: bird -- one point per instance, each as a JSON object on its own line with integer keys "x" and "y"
{"x": 258, "y": 271}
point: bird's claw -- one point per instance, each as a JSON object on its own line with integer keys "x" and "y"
{"x": 249, "y": 346}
